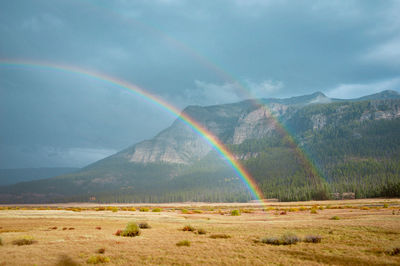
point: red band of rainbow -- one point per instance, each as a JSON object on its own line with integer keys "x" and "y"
{"x": 213, "y": 141}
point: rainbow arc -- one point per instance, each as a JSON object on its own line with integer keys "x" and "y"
{"x": 212, "y": 140}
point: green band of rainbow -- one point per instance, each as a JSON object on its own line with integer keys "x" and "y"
{"x": 215, "y": 143}
{"x": 245, "y": 93}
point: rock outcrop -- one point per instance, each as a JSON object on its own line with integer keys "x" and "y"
{"x": 235, "y": 123}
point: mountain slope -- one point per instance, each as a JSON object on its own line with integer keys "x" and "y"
{"x": 384, "y": 95}
{"x": 342, "y": 145}
{"x": 13, "y": 176}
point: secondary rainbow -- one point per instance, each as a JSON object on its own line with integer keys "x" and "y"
{"x": 245, "y": 93}
{"x": 215, "y": 143}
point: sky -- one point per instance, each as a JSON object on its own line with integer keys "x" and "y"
{"x": 185, "y": 52}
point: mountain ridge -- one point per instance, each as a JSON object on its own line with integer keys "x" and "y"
{"x": 178, "y": 164}
{"x": 16, "y": 175}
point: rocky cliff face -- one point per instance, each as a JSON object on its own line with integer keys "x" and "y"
{"x": 254, "y": 125}
{"x": 177, "y": 144}
{"x": 384, "y": 109}
{"x": 235, "y": 123}
{"x": 181, "y": 144}
{"x": 231, "y": 123}
{"x": 319, "y": 121}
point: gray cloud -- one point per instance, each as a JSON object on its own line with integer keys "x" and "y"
{"x": 347, "y": 91}
{"x": 183, "y": 51}
{"x": 217, "y": 93}
{"x": 387, "y": 53}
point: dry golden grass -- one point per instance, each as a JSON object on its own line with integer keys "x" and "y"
{"x": 362, "y": 236}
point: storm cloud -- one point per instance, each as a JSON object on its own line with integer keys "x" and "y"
{"x": 186, "y": 52}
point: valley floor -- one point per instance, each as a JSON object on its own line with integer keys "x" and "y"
{"x": 354, "y": 232}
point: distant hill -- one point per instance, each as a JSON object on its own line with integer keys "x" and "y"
{"x": 298, "y": 148}
{"x": 13, "y": 176}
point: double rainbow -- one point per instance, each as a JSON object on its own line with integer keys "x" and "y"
{"x": 245, "y": 93}
{"x": 212, "y": 140}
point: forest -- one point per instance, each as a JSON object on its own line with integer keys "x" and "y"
{"x": 352, "y": 150}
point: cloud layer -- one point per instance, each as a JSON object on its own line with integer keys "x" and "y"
{"x": 203, "y": 52}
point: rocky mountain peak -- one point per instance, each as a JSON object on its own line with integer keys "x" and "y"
{"x": 231, "y": 123}
{"x": 319, "y": 97}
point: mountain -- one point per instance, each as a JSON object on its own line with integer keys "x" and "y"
{"x": 317, "y": 97}
{"x": 387, "y": 94}
{"x": 299, "y": 148}
{"x": 13, "y": 176}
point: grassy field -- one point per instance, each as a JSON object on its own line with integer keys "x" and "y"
{"x": 352, "y": 232}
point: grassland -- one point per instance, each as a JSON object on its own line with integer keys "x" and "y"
{"x": 353, "y": 232}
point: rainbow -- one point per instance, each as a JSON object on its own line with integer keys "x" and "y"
{"x": 301, "y": 154}
{"x": 212, "y": 140}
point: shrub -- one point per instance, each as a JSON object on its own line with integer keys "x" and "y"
{"x": 98, "y": 227}
{"x": 144, "y": 225}
{"x": 101, "y": 250}
{"x": 283, "y": 212}
{"x": 144, "y": 209}
{"x": 156, "y": 210}
{"x": 184, "y": 211}
{"x": 131, "y": 230}
{"x": 335, "y": 218}
{"x": 64, "y": 260}
{"x": 119, "y": 232}
{"x": 247, "y": 210}
{"x": 286, "y": 239}
{"x": 132, "y": 209}
{"x": 235, "y": 213}
{"x": 271, "y": 241}
{"x": 313, "y": 211}
{"x": 188, "y": 228}
{"x": 393, "y": 252}
{"x": 64, "y": 228}
{"x": 313, "y": 239}
{"x": 198, "y": 211}
{"x": 1, "y": 241}
{"x": 224, "y": 236}
{"x": 201, "y": 231}
{"x": 53, "y": 228}
{"x": 114, "y": 209}
{"x": 302, "y": 208}
{"x": 98, "y": 259}
{"x": 385, "y": 205}
{"x": 71, "y": 228}
{"x": 26, "y": 240}
{"x": 364, "y": 208}
{"x": 185, "y": 243}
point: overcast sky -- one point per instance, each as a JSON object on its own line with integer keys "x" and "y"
{"x": 186, "y": 52}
